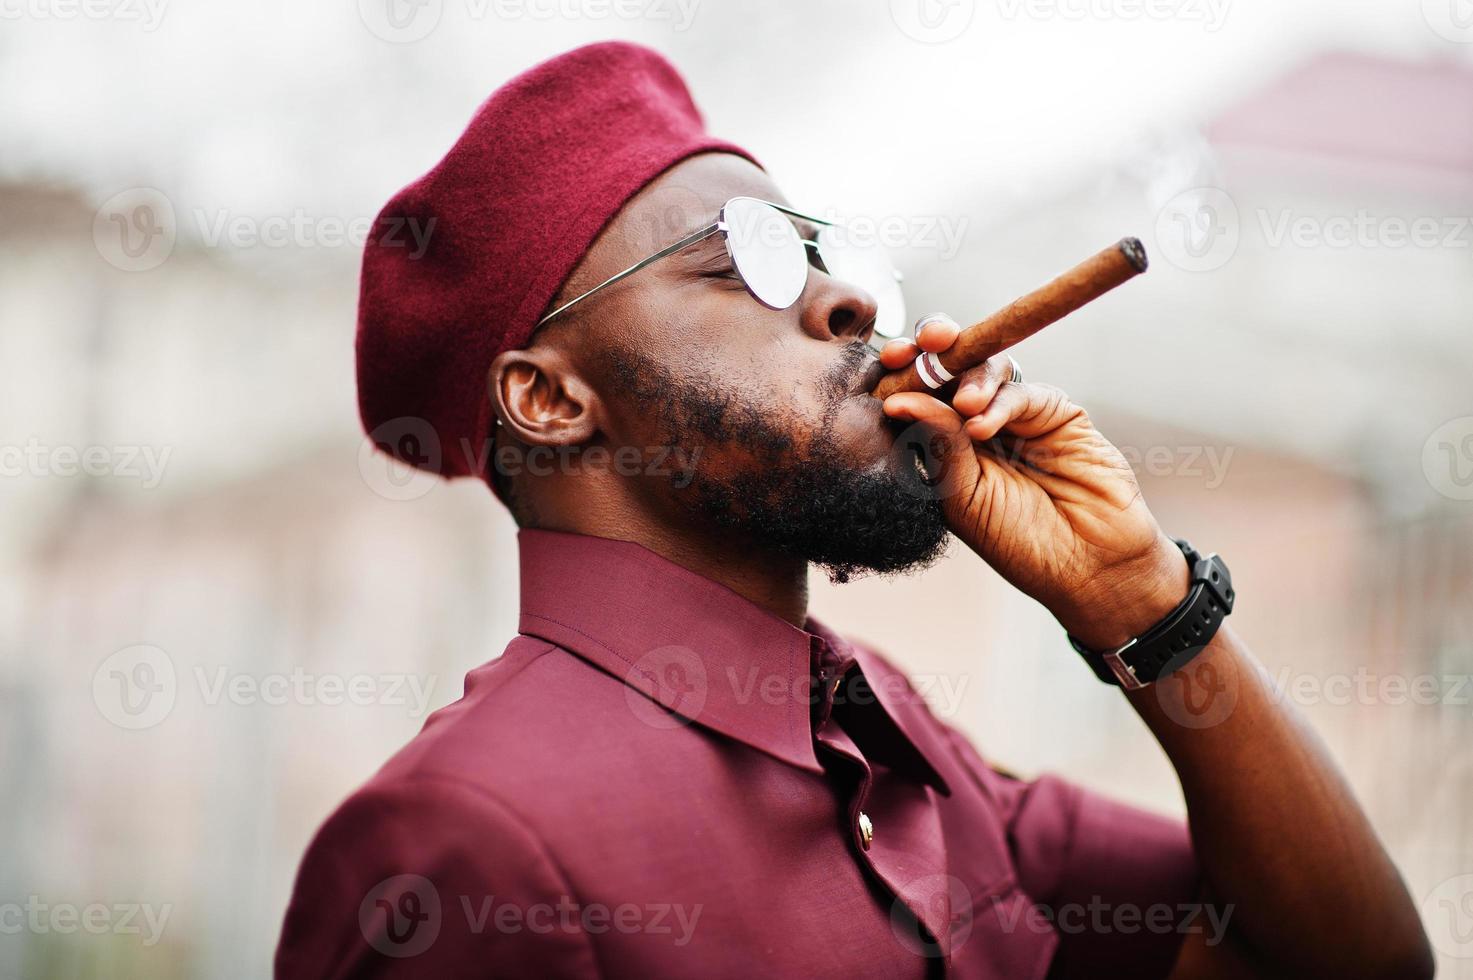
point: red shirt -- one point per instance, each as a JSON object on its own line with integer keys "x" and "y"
{"x": 659, "y": 779}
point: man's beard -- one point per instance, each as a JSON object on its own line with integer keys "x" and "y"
{"x": 803, "y": 500}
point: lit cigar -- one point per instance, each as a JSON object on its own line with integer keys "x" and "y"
{"x": 1087, "y": 281}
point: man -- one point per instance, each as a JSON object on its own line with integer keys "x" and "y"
{"x": 663, "y": 369}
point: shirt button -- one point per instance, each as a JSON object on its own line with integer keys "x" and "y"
{"x": 866, "y": 829}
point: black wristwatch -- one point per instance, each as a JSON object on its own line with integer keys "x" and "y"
{"x": 1172, "y": 643}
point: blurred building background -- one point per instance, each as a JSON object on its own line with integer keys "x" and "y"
{"x": 188, "y": 506}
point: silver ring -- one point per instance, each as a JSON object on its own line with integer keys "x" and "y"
{"x": 1017, "y": 377}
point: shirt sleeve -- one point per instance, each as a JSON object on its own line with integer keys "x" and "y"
{"x": 427, "y": 877}
{"x": 1119, "y": 884}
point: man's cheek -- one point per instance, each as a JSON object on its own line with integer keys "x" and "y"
{"x": 683, "y": 472}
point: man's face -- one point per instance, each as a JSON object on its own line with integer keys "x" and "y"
{"x": 789, "y": 450}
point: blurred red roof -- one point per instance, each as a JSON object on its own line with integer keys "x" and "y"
{"x": 1350, "y": 105}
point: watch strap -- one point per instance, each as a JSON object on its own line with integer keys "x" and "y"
{"x": 1178, "y": 637}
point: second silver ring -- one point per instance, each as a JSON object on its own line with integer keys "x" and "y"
{"x": 1017, "y": 377}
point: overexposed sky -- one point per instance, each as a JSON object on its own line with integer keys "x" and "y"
{"x": 884, "y": 105}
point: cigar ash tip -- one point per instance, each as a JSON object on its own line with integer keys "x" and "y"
{"x": 1135, "y": 253}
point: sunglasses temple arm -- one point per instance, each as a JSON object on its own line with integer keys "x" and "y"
{"x": 799, "y": 214}
{"x": 689, "y": 240}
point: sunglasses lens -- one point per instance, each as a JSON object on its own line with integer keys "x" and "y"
{"x": 766, "y": 250}
{"x": 866, "y": 265}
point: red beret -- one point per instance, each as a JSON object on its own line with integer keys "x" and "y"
{"x": 464, "y": 261}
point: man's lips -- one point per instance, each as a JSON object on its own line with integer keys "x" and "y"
{"x": 871, "y": 377}
{"x": 864, "y": 395}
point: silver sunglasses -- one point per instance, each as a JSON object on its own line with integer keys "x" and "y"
{"x": 771, "y": 259}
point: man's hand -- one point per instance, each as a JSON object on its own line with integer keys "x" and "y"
{"x": 1030, "y": 485}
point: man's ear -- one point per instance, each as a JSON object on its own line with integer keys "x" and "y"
{"x": 542, "y": 399}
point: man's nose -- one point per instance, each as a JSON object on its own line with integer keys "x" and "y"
{"x": 833, "y": 308}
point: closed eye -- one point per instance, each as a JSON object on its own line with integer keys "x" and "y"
{"x": 710, "y": 260}
{"x": 713, "y": 264}
{"x": 717, "y": 269}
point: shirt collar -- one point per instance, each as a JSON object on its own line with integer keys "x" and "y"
{"x": 690, "y": 644}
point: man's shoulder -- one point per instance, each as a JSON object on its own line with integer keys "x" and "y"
{"x": 441, "y": 824}
{"x": 529, "y": 706}
{"x": 536, "y": 730}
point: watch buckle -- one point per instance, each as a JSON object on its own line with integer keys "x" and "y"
{"x": 1124, "y": 672}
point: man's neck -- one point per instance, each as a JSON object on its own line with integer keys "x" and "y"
{"x": 776, "y": 583}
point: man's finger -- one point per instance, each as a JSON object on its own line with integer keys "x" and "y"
{"x": 980, "y": 384}
{"x": 1026, "y": 410}
{"x": 935, "y": 332}
{"x": 917, "y": 406}
{"x": 899, "y": 352}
